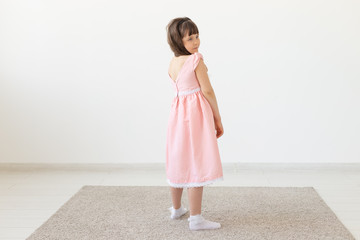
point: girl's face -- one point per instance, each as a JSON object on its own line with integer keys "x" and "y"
{"x": 191, "y": 43}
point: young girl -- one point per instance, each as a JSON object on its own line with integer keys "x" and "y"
{"x": 192, "y": 154}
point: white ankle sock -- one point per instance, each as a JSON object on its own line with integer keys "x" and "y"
{"x": 177, "y": 213}
{"x": 198, "y": 222}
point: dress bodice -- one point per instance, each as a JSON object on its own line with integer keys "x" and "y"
{"x": 186, "y": 79}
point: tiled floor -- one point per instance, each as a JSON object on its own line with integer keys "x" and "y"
{"x": 31, "y": 193}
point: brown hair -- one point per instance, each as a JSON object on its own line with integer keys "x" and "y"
{"x": 176, "y": 30}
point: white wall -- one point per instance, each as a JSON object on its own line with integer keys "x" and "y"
{"x": 86, "y": 81}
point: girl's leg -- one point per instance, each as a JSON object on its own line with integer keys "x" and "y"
{"x": 196, "y": 220}
{"x": 176, "y": 194}
{"x": 195, "y": 198}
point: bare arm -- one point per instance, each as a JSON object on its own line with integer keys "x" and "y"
{"x": 206, "y": 88}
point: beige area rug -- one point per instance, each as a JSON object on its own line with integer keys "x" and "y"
{"x": 141, "y": 212}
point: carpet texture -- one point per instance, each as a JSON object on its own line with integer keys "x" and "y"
{"x": 141, "y": 212}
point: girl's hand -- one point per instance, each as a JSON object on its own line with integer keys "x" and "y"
{"x": 219, "y": 128}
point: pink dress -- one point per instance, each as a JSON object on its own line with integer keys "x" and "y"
{"x": 192, "y": 153}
